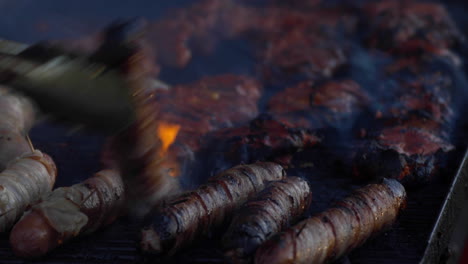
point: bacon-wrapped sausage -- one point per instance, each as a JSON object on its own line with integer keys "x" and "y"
{"x": 17, "y": 118}
{"x": 281, "y": 203}
{"x": 338, "y": 230}
{"x": 191, "y": 215}
{"x": 68, "y": 212}
{"x": 22, "y": 183}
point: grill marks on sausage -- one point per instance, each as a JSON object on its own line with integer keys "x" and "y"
{"x": 68, "y": 212}
{"x": 196, "y": 213}
{"x": 279, "y": 204}
{"x": 338, "y": 230}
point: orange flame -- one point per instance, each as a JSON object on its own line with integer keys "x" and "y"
{"x": 167, "y": 133}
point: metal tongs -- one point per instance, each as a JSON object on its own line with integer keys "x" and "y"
{"x": 69, "y": 86}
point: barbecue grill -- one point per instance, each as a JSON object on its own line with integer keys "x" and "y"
{"x": 431, "y": 229}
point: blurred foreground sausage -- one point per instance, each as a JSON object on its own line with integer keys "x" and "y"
{"x": 68, "y": 212}
{"x": 338, "y": 230}
{"x": 22, "y": 183}
{"x": 17, "y": 117}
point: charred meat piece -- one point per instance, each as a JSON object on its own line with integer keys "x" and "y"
{"x": 199, "y": 212}
{"x": 304, "y": 42}
{"x": 68, "y": 212}
{"x": 312, "y": 106}
{"x": 209, "y": 104}
{"x": 22, "y": 183}
{"x": 263, "y": 139}
{"x": 184, "y": 30}
{"x": 17, "y": 117}
{"x": 277, "y": 206}
{"x": 293, "y": 41}
{"x": 338, "y": 230}
{"x": 409, "y": 140}
{"x": 408, "y": 154}
{"x": 409, "y": 27}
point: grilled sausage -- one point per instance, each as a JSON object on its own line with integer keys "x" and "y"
{"x": 23, "y": 182}
{"x": 281, "y": 203}
{"x": 17, "y": 117}
{"x": 69, "y": 212}
{"x": 189, "y": 216}
{"x": 339, "y": 230}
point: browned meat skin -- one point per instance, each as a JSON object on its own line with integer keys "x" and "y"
{"x": 411, "y": 26}
{"x": 208, "y": 104}
{"x": 313, "y": 106}
{"x": 69, "y": 212}
{"x": 263, "y": 139}
{"x": 18, "y": 116}
{"x": 278, "y": 32}
{"x": 196, "y": 109}
{"x": 410, "y": 138}
{"x": 303, "y": 42}
{"x": 338, "y": 230}
{"x": 183, "y": 30}
{"x": 197, "y": 213}
{"x": 280, "y": 204}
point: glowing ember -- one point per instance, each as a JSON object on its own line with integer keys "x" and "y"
{"x": 167, "y": 133}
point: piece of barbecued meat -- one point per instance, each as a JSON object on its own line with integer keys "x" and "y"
{"x": 411, "y": 27}
{"x": 307, "y": 42}
{"x": 291, "y": 40}
{"x": 263, "y": 139}
{"x": 409, "y": 138}
{"x": 181, "y": 32}
{"x": 309, "y": 105}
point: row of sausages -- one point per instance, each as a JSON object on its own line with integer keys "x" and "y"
{"x": 274, "y": 201}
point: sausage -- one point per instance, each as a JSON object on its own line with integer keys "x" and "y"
{"x": 68, "y": 212}
{"x": 18, "y": 116}
{"x": 273, "y": 209}
{"x": 22, "y": 183}
{"x": 191, "y": 215}
{"x": 338, "y": 230}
